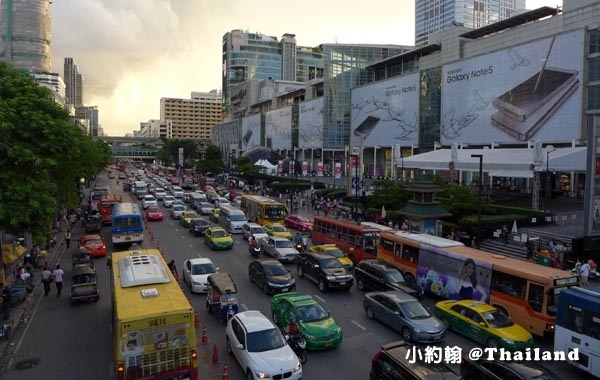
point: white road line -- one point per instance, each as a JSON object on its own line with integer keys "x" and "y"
{"x": 359, "y": 325}
{"x": 244, "y": 307}
{"x": 320, "y": 298}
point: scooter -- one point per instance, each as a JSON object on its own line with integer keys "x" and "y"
{"x": 298, "y": 344}
{"x": 255, "y": 250}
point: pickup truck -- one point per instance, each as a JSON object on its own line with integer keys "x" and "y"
{"x": 325, "y": 270}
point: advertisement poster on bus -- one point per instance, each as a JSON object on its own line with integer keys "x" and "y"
{"x": 310, "y": 124}
{"x": 453, "y": 276}
{"x": 250, "y": 132}
{"x": 527, "y": 92}
{"x": 278, "y": 128}
{"x": 157, "y": 338}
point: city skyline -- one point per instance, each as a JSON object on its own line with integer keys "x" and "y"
{"x": 132, "y": 54}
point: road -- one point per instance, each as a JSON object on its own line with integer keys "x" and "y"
{"x": 74, "y": 342}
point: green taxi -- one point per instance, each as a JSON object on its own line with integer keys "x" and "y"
{"x": 277, "y": 229}
{"x": 186, "y": 217}
{"x": 333, "y": 250}
{"x": 214, "y": 215}
{"x": 320, "y": 330}
{"x": 484, "y": 324}
{"x": 218, "y": 238}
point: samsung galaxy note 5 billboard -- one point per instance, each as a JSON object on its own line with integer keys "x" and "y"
{"x": 528, "y": 92}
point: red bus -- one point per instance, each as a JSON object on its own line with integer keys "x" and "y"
{"x": 105, "y": 206}
{"x": 359, "y": 242}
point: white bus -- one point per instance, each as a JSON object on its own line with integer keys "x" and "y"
{"x": 232, "y": 219}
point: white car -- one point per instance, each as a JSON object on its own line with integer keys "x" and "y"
{"x": 279, "y": 248}
{"x": 177, "y": 192}
{"x": 177, "y": 210}
{"x": 205, "y": 208}
{"x": 196, "y": 272}
{"x": 160, "y": 193}
{"x": 149, "y": 200}
{"x": 260, "y": 348}
{"x": 168, "y": 200}
{"x": 254, "y": 229}
{"x": 222, "y": 201}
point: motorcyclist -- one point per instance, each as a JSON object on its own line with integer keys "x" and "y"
{"x": 292, "y": 328}
{"x": 298, "y": 238}
{"x": 252, "y": 244}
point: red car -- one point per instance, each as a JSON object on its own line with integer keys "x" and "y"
{"x": 122, "y": 176}
{"x": 154, "y": 213}
{"x": 299, "y": 222}
{"x": 174, "y": 181}
{"x": 93, "y": 244}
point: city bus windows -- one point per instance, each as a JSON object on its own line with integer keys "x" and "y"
{"x": 410, "y": 254}
{"x": 351, "y": 235}
{"x": 398, "y": 251}
{"x": 535, "y": 297}
{"x": 508, "y": 284}
{"x": 388, "y": 245}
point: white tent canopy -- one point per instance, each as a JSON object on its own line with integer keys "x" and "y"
{"x": 500, "y": 162}
{"x": 265, "y": 164}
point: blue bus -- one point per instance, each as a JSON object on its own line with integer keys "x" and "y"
{"x": 127, "y": 225}
{"x": 578, "y": 326}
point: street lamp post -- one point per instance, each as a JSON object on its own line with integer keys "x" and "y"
{"x": 480, "y": 156}
{"x": 292, "y": 170}
{"x": 548, "y": 182}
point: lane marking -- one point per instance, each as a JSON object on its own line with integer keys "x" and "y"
{"x": 319, "y": 298}
{"x": 358, "y": 325}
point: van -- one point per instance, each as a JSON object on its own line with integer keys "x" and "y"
{"x": 196, "y": 198}
{"x": 232, "y": 219}
{"x": 139, "y": 185}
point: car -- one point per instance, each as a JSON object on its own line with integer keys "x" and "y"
{"x": 214, "y": 215}
{"x": 168, "y": 201}
{"x": 111, "y": 175}
{"x": 278, "y": 248}
{"x": 175, "y": 181}
{"x": 373, "y": 274}
{"x": 325, "y": 270}
{"x": 218, "y": 238}
{"x": 196, "y": 272}
{"x": 396, "y": 360}
{"x": 212, "y": 196}
{"x": 93, "y": 244}
{"x": 221, "y": 201}
{"x": 249, "y": 229}
{"x": 122, "y": 176}
{"x": 298, "y": 222}
{"x": 176, "y": 211}
{"x": 179, "y": 202}
{"x": 154, "y": 213}
{"x": 405, "y": 314}
{"x": 205, "y": 208}
{"x": 271, "y": 276}
{"x": 333, "y": 250}
{"x": 237, "y": 201}
{"x": 320, "y": 330}
{"x": 276, "y": 229}
{"x": 176, "y": 191}
{"x": 485, "y": 369}
{"x": 484, "y": 324}
{"x": 186, "y": 217}
{"x": 160, "y": 193}
{"x": 260, "y": 348}
{"x": 198, "y": 226}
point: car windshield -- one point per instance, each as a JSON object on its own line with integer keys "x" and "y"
{"x": 414, "y": 310}
{"x": 497, "y": 319}
{"x": 178, "y": 208}
{"x": 191, "y": 215}
{"x": 279, "y": 229}
{"x": 335, "y": 252}
{"x": 200, "y": 222}
{"x": 275, "y": 270}
{"x": 238, "y": 217}
{"x": 302, "y": 219}
{"x": 257, "y": 230}
{"x": 394, "y": 276}
{"x": 265, "y": 340}
{"x": 153, "y": 209}
{"x": 93, "y": 242}
{"x": 283, "y": 244}
{"x": 312, "y": 313}
{"x": 203, "y": 268}
{"x": 206, "y": 205}
{"x": 330, "y": 263}
{"x": 218, "y": 233}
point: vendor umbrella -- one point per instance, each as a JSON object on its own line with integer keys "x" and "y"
{"x": 383, "y": 211}
{"x": 514, "y": 227}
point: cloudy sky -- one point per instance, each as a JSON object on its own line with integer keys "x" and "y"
{"x": 133, "y": 52}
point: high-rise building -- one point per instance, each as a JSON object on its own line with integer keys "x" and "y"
{"x": 52, "y": 81}
{"x": 90, "y": 115}
{"x": 25, "y": 28}
{"x": 432, "y": 16}
{"x": 73, "y": 83}
{"x": 192, "y": 118}
{"x": 257, "y": 56}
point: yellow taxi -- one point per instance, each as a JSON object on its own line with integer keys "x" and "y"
{"x": 218, "y": 238}
{"x": 277, "y": 229}
{"x": 484, "y": 324}
{"x": 186, "y": 217}
{"x": 333, "y": 250}
{"x": 214, "y": 215}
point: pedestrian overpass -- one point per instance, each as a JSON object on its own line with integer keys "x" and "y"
{"x": 139, "y": 148}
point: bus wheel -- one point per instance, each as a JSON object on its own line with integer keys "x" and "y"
{"x": 409, "y": 277}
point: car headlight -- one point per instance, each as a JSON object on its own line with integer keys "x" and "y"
{"x": 298, "y": 367}
{"x": 261, "y": 375}
{"x": 418, "y": 331}
{"x": 508, "y": 341}
{"x": 330, "y": 278}
{"x": 339, "y": 330}
{"x": 309, "y": 337}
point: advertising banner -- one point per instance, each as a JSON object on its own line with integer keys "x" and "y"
{"x": 531, "y": 91}
{"x": 280, "y": 167}
{"x": 304, "y": 168}
{"x": 338, "y": 170}
{"x": 386, "y": 112}
{"x": 278, "y": 127}
{"x": 310, "y": 124}
{"x": 319, "y": 169}
{"x": 251, "y": 132}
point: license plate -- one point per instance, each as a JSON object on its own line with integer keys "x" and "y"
{"x": 327, "y": 344}
{"x": 284, "y": 290}
{"x": 343, "y": 283}
{"x": 127, "y": 238}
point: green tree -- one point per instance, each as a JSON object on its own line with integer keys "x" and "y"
{"x": 389, "y": 193}
{"x": 170, "y": 153}
{"x": 213, "y": 161}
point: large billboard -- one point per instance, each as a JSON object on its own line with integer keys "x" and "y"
{"x": 387, "y": 113}
{"x": 310, "y": 124}
{"x": 278, "y": 128}
{"x": 250, "y": 132}
{"x": 528, "y": 92}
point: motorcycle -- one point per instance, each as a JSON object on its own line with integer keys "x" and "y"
{"x": 299, "y": 246}
{"x": 255, "y": 250}
{"x": 298, "y": 344}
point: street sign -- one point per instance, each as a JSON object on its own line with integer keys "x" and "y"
{"x": 355, "y": 182}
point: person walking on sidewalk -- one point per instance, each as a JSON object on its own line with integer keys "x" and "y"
{"x": 46, "y": 279}
{"x": 505, "y": 234}
{"x": 58, "y": 279}
{"x": 68, "y": 238}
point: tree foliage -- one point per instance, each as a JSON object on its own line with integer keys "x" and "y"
{"x": 212, "y": 162}
{"x": 170, "y": 153}
{"x": 42, "y": 154}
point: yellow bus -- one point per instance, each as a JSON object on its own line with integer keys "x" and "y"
{"x": 263, "y": 210}
{"x": 153, "y": 321}
{"x": 526, "y": 291}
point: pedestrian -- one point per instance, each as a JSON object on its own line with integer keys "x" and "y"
{"x": 46, "y": 279}
{"x": 173, "y": 268}
{"x": 68, "y": 238}
{"x": 109, "y": 262}
{"x": 5, "y": 301}
{"x": 58, "y": 278}
{"x": 584, "y": 272}
{"x": 505, "y": 234}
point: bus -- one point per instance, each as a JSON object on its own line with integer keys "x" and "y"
{"x": 578, "y": 326}
{"x": 263, "y": 210}
{"x": 358, "y": 241}
{"x": 154, "y": 334}
{"x": 105, "y": 206}
{"x": 525, "y": 291}
{"x": 127, "y": 224}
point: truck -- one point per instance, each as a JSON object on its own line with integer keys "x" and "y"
{"x": 325, "y": 270}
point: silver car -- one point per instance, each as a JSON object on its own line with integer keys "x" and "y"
{"x": 168, "y": 200}
{"x": 279, "y": 248}
{"x": 205, "y": 208}
{"x": 177, "y": 210}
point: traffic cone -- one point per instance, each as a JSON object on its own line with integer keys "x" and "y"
{"x": 215, "y": 355}
{"x": 196, "y": 319}
{"x": 204, "y": 336}
{"x": 225, "y": 375}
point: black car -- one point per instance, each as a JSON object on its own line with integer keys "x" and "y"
{"x": 483, "y": 369}
{"x": 198, "y": 226}
{"x": 374, "y": 274}
{"x": 395, "y": 361}
{"x": 271, "y": 276}
{"x": 325, "y": 270}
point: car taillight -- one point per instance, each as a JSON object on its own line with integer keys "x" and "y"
{"x": 103, "y": 246}
{"x": 120, "y": 372}
{"x": 194, "y": 359}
